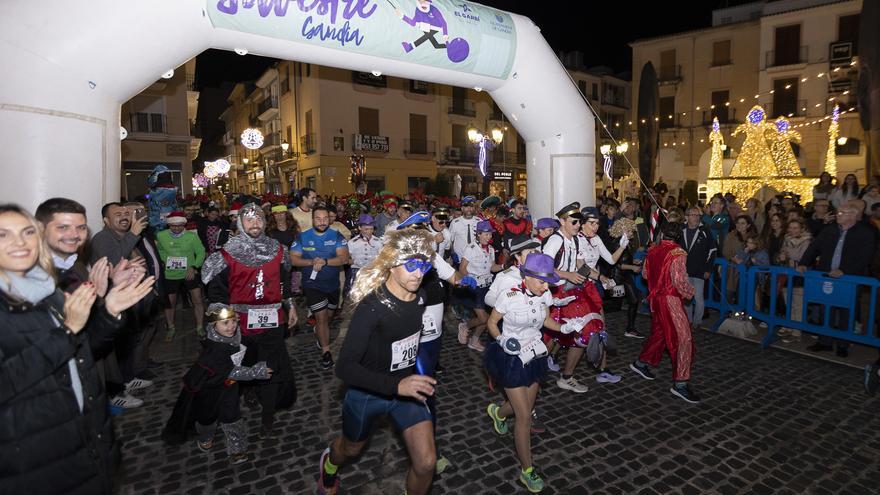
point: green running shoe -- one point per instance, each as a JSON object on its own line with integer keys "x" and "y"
{"x": 531, "y": 480}
{"x": 499, "y": 423}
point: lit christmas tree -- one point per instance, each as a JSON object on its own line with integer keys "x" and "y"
{"x": 831, "y": 154}
{"x": 755, "y": 159}
{"x": 779, "y": 138}
{"x": 716, "y": 161}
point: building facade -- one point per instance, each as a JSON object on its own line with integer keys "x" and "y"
{"x": 161, "y": 126}
{"x": 781, "y": 55}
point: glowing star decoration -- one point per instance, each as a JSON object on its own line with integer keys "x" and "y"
{"x": 222, "y": 166}
{"x": 209, "y": 171}
{"x": 756, "y": 115}
{"x": 252, "y": 139}
{"x": 716, "y": 161}
{"x": 831, "y": 154}
{"x": 780, "y": 148}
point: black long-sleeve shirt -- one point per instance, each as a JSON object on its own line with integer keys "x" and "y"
{"x": 382, "y": 342}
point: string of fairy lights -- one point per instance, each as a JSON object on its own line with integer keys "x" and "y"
{"x": 754, "y": 99}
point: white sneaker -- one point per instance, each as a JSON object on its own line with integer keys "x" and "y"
{"x": 607, "y": 377}
{"x": 573, "y": 385}
{"x": 551, "y": 365}
{"x": 463, "y": 333}
{"x": 126, "y": 401}
{"x": 138, "y": 383}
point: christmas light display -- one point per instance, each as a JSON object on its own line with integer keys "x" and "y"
{"x": 833, "y": 131}
{"x": 716, "y": 161}
{"x": 252, "y": 139}
{"x": 780, "y": 148}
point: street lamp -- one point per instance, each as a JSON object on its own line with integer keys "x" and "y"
{"x": 485, "y": 143}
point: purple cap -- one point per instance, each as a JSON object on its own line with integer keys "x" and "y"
{"x": 484, "y": 226}
{"x": 540, "y": 266}
{"x": 366, "y": 220}
{"x": 547, "y": 223}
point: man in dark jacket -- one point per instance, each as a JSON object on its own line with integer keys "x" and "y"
{"x": 701, "y": 251}
{"x": 843, "y": 249}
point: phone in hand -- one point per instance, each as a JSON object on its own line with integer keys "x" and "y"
{"x": 139, "y": 213}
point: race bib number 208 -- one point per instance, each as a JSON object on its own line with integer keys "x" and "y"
{"x": 404, "y": 351}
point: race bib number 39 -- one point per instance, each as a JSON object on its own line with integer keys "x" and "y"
{"x": 175, "y": 263}
{"x": 262, "y": 318}
{"x": 404, "y": 351}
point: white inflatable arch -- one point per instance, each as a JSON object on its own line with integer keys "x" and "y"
{"x": 68, "y": 67}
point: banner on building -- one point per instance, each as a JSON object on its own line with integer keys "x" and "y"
{"x": 377, "y": 144}
{"x": 456, "y": 35}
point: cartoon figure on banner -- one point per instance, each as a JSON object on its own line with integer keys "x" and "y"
{"x": 428, "y": 19}
{"x": 163, "y": 196}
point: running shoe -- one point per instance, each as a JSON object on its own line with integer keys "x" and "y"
{"x": 607, "y": 377}
{"x": 328, "y": 484}
{"x": 573, "y": 385}
{"x": 552, "y": 365}
{"x": 685, "y": 392}
{"x": 205, "y": 446}
{"x": 633, "y": 334}
{"x": 642, "y": 370}
{"x": 442, "y": 465}
{"x": 311, "y": 321}
{"x": 463, "y": 333}
{"x": 498, "y": 423}
{"x": 126, "y": 401}
{"x": 475, "y": 344}
{"x": 531, "y": 480}
{"x": 326, "y": 361}
{"x": 236, "y": 459}
{"x": 871, "y": 378}
{"x": 137, "y": 383}
{"x": 537, "y": 425}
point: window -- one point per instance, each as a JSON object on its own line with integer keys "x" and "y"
{"x": 851, "y": 147}
{"x": 667, "y": 111}
{"x": 375, "y": 183}
{"x": 459, "y": 95}
{"x": 418, "y": 134}
{"x": 460, "y": 141}
{"x": 289, "y": 135}
{"x": 719, "y": 98}
{"x": 667, "y": 65}
{"x": 413, "y": 183}
{"x": 596, "y": 91}
{"x": 721, "y": 53}
{"x": 312, "y": 182}
{"x": 368, "y": 121}
{"x": 418, "y": 87}
{"x": 785, "y": 101}
{"x": 788, "y": 45}
{"x": 848, "y": 30}
{"x": 582, "y": 86}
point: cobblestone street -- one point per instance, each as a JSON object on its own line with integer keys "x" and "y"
{"x": 770, "y": 422}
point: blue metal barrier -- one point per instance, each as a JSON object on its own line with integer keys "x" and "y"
{"x": 718, "y": 297}
{"x": 834, "y": 307}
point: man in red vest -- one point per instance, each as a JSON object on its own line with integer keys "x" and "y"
{"x": 250, "y": 273}
{"x": 666, "y": 272}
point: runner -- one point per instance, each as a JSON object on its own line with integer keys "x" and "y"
{"x": 478, "y": 261}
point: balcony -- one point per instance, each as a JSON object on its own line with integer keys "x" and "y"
{"x": 191, "y": 82}
{"x": 420, "y": 147}
{"x": 271, "y": 141}
{"x": 782, "y": 58}
{"x": 786, "y": 109}
{"x": 669, "y": 74}
{"x": 726, "y": 116}
{"x": 616, "y": 102}
{"x": 308, "y": 143}
{"x": 508, "y": 157}
{"x": 268, "y": 108}
{"x": 497, "y": 117}
{"x": 463, "y": 107}
{"x": 149, "y": 123}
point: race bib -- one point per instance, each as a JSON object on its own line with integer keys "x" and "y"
{"x": 404, "y": 351}
{"x": 533, "y": 349}
{"x": 175, "y": 263}
{"x": 238, "y": 356}
{"x": 429, "y": 326}
{"x": 484, "y": 280}
{"x": 262, "y": 318}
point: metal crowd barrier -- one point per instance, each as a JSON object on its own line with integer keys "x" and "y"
{"x": 843, "y": 308}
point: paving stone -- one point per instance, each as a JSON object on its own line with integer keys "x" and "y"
{"x": 771, "y": 422}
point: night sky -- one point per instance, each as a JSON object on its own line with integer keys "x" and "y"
{"x": 602, "y": 30}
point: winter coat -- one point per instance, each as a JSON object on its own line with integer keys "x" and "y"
{"x": 47, "y": 444}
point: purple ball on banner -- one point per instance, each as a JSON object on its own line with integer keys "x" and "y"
{"x": 457, "y": 49}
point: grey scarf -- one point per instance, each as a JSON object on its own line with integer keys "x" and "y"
{"x": 247, "y": 250}
{"x": 35, "y": 286}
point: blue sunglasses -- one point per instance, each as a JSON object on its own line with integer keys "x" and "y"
{"x": 417, "y": 264}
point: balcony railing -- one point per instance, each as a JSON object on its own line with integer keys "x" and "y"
{"x": 152, "y": 123}
{"x": 463, "y": 107}
{"x": 308, "y": 143}
{"x": 510, "y": 157}
{"x": 669, "y": 74}
{"x": 268, "y": 103}
{"x": 191, "y": 82}
{"x": 724, "y": 117}
{"x": 420, "y": 147}
{"x": 786, "y": 110}
{"x": 497, "y": 116}
{"x": 778, "y": 58}
{"x": 272, "y": 139}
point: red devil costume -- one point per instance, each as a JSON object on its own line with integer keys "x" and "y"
{"x": 666, "y": 272}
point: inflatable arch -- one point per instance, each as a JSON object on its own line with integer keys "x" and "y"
{"x": 68, "y": 67}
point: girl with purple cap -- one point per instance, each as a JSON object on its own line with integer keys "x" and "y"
{"x": 517, "y": 359}
{"x": 478, "y": 261}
